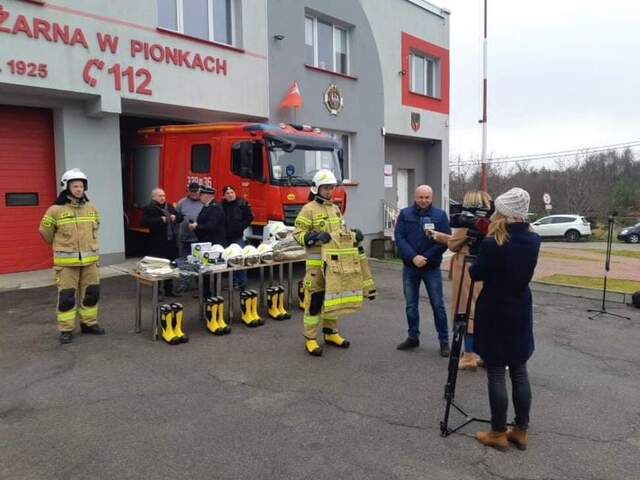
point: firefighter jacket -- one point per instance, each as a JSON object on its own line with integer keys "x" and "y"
{"x": 72, "y": 231}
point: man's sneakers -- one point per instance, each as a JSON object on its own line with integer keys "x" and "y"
{"x": 409, "y": 343}
{"x": 66, "y": 337}
{"x": 445, "y": 351}
{"x": 94, "y": 329}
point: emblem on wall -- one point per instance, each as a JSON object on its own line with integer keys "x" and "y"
{"x": 415, "y": 121}
{"x": 333, "y": 99}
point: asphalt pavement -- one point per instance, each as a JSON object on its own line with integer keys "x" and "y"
{"x": 254, "y": 405}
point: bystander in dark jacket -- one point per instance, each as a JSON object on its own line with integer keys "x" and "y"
{"x": 161, "y": 219}
{"x": 237, "y": 214}
{"x": 210, "y": 223}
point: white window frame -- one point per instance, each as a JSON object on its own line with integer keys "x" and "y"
{"x": 180, "y": 20}
{"x": 436, "y": 74}
{"x": 333, "y": 43}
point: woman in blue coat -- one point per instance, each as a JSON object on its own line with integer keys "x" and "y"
{"x": 503, "y": 334}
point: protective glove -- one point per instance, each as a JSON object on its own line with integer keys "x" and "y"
{"x": 323, "y": 237}
{"x": 359, "y": 235}
{"x": 310, "y": 238}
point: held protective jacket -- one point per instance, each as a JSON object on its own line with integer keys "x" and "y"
{"x": 72, "y": 231}
{"x": 411, "y": 238}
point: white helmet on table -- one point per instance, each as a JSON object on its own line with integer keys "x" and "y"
{"x": 71, "y": 175}
{"x": 322, "y": 177}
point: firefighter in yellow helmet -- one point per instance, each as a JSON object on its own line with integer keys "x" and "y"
{"x": 70, "y": 226}
{"x": 313, "y": 226}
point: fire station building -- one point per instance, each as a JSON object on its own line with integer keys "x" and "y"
{"x": 78, "y": 79}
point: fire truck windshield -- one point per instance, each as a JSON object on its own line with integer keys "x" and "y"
{"x": 298, "y": 166}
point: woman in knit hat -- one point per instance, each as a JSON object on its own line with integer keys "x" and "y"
{"x": 504, "y": 322}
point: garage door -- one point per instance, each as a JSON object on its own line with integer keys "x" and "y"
{"x": 27, "y": 186}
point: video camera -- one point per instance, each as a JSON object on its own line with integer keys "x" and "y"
{"x": 475, "y": 219}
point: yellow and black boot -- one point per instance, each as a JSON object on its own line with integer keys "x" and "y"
{"x": 312, "y": 347}
{"x": 284, "y": 315}
{"x": 254, "y": 307}
{"x": 303, "y": 296}
{"x": 166, "y": 325}
{"x": 272, "y": 303}
{"x": 223, "y": 325}
{"x": 178, "y": 315}
{"x": 332, "y": 337}
{"x": 211, "y": 315}
{"x": 246, "y": 304}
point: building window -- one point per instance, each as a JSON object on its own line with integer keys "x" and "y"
{"x": 425, "y": 75}
{"x": 326, "y": 45}
{"x": 344, "y": 142}
{"x": 200, "y": 158}
{"x": 208, "y": 19}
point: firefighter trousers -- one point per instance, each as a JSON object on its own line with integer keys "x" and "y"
{"x": 78, "y": 293}
{"x": 314, "y": 313}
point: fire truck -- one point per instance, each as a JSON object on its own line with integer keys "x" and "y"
{"x": 271, "y": 166}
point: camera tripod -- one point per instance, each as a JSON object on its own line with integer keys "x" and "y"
{"x": 459, "y": 330}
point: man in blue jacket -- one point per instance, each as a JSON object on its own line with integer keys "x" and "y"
{"x": 421, "y": 257}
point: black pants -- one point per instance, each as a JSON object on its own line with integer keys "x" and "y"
{"x": 498, "y": 400}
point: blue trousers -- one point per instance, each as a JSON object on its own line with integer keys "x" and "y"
{"x": 239, "y": 278}
{"x": 432, "y": 279}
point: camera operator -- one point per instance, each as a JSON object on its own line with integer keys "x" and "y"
{"x": 468, "y": 227}
{"x": 503, "y": 317}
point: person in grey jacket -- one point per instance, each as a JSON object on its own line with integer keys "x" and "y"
{"x": 189, "y": 207}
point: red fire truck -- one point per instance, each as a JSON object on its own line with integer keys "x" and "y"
{"x": 269, "y": 165}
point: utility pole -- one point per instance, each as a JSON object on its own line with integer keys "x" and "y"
{"x": 483, "y": 167}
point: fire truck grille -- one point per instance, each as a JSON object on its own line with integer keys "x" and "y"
{"x": 290, "y": 213}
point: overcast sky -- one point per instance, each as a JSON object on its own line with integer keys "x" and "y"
{"x": 563, "y": 74}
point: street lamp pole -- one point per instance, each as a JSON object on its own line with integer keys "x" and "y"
{"x": 483, "y": 168}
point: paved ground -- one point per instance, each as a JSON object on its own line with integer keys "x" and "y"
{"x": 254, "y": 405}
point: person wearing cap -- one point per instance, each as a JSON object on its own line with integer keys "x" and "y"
{"x": 503, "y": 334}
{"x": 189, "y": 207}
{"x": 70, "y": 226}
{"x": 238, "y": 216}
{"x": 422, "y": 256}
{"x": 209, "y": 225}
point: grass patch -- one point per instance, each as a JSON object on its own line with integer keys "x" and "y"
{"x": 562, "y": 256}
{"x": 614, "y": 253}
{"x": 613, "y": 284}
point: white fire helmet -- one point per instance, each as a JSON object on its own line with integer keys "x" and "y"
{"x": 251, "y": 256}
{"x": 215, "y": 253}
{"x": 71, "y": 175}
{"x": 322, "y": 177}
{"x": 275, "y": 231}
{"x": 233, "y": 255}
{"x": 266, "y": 253}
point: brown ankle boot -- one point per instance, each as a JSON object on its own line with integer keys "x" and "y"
{"x": 468, "y": 362}
{"x": 497, "y": 440}
{"x": 518, "y": 436}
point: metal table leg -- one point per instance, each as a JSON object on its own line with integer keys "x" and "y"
{"x": 230, "y": 297}
{"x": 201, "y": 295}
{"x": 280, "y": 274}
{"x": 289, "y": 283}
{"x": 154, "y": 311}
{"x": 271, "y": 275}
{"x": 138, "y": 322}
{"x": 262, "y": 293}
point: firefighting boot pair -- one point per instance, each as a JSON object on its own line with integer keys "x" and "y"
{"x": 214, "y": 314}
{"x": 303, "y": 296}
{"x": 249, "y": 308}
{"x": 171, "y": 316}
{"x": 332, "y": 337}
{"x": 275, "y": 301}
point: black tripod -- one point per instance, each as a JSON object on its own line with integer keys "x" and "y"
{"x": 607, "y": 263}
{"x": 459, "y": 330}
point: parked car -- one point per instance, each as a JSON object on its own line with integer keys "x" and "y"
{"x": 570, "y": 227}
{"x": 630, "y": 234}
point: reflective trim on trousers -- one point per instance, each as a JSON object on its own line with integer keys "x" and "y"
{"x": 68, "y": 316}
{"x": 311, "y": 320}
{"x": 88, "y": 313}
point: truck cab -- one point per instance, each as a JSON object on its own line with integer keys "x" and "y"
{"x": 271, "y": 166}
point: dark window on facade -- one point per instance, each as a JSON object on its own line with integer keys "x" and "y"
{"x": 200, "y": 158}
{"x": 246, "y": 160}
{"x": 21, "y": 199}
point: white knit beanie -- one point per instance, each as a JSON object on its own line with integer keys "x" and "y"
{"x": 513, "y": 203}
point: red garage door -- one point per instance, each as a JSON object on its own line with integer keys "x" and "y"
{"x": 27, "y": 186}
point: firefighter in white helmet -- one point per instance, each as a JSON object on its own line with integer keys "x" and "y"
{"x": 313, "y": 226}
{"x": 70, "y": 226}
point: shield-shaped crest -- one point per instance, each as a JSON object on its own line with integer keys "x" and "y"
{"x": 415, "y": 121}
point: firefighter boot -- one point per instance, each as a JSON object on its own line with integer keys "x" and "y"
{"x": 178, "y": 315}
{"x": 312, "y": 347}
{"x": 166, "y": 325}
{"x": 254, "y": 307}
{"x": 211, "y": 315}
{"x": 245, "y": 309}
{"x": 332, "y": 337}
{"x": 303, "y": 295}
{"x": 272, "y": 302}
{"x": 284, "y": 315}
{"x": 497, "y": 440}
{"x": 223, "y": 325}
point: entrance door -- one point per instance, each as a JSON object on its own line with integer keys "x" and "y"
{"x": 27, "y": 186}
{"x": 403, "y": 188}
